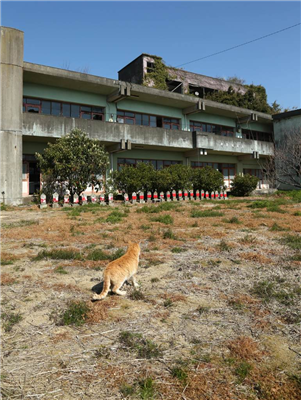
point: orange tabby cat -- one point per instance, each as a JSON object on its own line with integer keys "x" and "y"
{"x": 119, "y": 271}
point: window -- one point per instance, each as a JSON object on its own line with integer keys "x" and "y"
{"x": 171, "y": 123}
{"x": 158, "y": 164}
{"x": 150, "y": 67}
{"x": 56, "y": 108}
{"x": 255, "y": 135}
{"x": 210, "y": 128}
{"x": 130, "y": 118}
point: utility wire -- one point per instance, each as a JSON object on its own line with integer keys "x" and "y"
{"x": 240, "y": 45}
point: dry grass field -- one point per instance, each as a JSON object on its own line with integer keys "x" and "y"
{"x": 217, "y": 315}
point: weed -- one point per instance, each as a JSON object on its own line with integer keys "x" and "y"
{"x": 195, "y": 225}
{"x": 205, "y": 214}
{"x": 297, "y": 214}
{"x": 223, "y": 246}
{"x": 60, "y": 270}
{"x": 236, "y": 304}
{"x": 168, "y": 303}
{"x": 137, "y": 295}
{"x": 147, "y": 389}
{"x": 179, "y": 373}
{"x": 233, "y": 220}
{"x": 248, "y": 239}
{"x": 6, "y": 262}
{"x": 275, "y": 208}
{"x": 59, "y": 254}
{"x": 9, "y": 320}
{"x": 144, "y": 227}
{"x": 135, "y": 341}
{"x": 202, "y": 310}
{"x": 169, "y": 234}
{"x": 98, "y": 255}
{"x": 277, "y": 228}
{"x": 154, "y": 280}
{"x": 296, "y": 257}
{"x": 242, "y": 371}
{"x": 117, "y": 254}
{"x": 293, "y": 241}
{"x": 152, "y": 238}
{"x": 102, "y": 352}
{"x": 115, "y": 217}
{"x": 164, "y": 219}
{"x": 20, "y": 224}
{"x": 268, "y": 290}
{"x": 75, "y": 314}
{"x": 127, "y": 390}
{"x": 178, "y": 250}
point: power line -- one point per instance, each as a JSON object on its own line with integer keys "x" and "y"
{"x": 240, "y": 45}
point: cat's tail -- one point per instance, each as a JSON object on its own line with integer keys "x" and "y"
{"x": 105, "y": 290}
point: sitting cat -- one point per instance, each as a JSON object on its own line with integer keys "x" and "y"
{"x": 119, "y": 271}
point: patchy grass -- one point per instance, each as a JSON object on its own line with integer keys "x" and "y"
{"x": 180, "y": 374}
{"x": 233, "y": 220}
{"x": 178, "y": 250}
{"x": 76, "y": 314}
{"x": 20, "y": 224}
{"x": 10, "y": 320}
{"x": 137, "y": 295}
{"x": 164, "y": 219}
{"x": 115, "y": 217}
{"x": 277, "y": 228}
{"x": 117, "y": 254}
{"x": 145, "y": 348}
{"x": 292, "y": 241}
{"x": 60, "y": 270}
{"x": 169, "y": 234}
{"x": 59, "y": 254}
{"x": 205, "y": 214}
{"x": 98, "y": 255}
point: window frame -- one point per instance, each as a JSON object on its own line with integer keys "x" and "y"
{"x": 81, "y": 112}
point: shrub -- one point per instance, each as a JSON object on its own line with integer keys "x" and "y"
{"x": 243, "y": 185}
{"x": 97, "y": 255}
{"x": 59, "y": 254}
{"x": 208, "y": 179}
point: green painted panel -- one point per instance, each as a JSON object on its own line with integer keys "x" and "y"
{"x": 216, "y": 158}
{"x": 33, "y": 147}
{"x": 257, "y": 126}
{"x": 61, "y": 94}
{"x": 213, "y": 119}
{"x": 149, "y": 108}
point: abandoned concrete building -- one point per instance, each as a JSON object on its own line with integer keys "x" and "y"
{"x": 135, "y": 123}
{"x": 178, "y": 80}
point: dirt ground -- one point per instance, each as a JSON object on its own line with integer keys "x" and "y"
{"x": 217, "y": 314}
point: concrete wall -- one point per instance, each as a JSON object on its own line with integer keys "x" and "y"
{"x": 11, "y": 64}
{"x": 37, "y": 125}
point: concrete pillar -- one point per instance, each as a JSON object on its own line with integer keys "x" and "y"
{"x": 11, "y": 115}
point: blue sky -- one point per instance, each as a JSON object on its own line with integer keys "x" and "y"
{"x": 105, "y": 36}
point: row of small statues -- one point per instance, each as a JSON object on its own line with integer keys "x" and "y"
{"x": 150, "y": 197}
{"x": 176, "y": 196}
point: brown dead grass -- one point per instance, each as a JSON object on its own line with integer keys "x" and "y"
{"x": 245, "y": 348}
{"x": 7, "y": 279}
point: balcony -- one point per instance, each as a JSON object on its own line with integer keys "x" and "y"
{"x": 108, "y": 133}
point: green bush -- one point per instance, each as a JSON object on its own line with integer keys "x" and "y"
{"x": 243, "y": 185}
{"x": 130, "y": 179}
{"x": 208, "y": 179}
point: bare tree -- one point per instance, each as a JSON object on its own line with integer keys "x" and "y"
{"x": 288, "y": 158}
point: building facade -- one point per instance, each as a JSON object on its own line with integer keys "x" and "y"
{"x": 40, "y": 104}
{"x": 287, "y": 127}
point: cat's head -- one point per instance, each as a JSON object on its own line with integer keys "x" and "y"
{"x": 135, "y": 247}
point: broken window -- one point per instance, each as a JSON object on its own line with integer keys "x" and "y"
{"x": 150, "y": 67}
{"x": 175, "y": 86}
{"x": 200, "y": 91}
